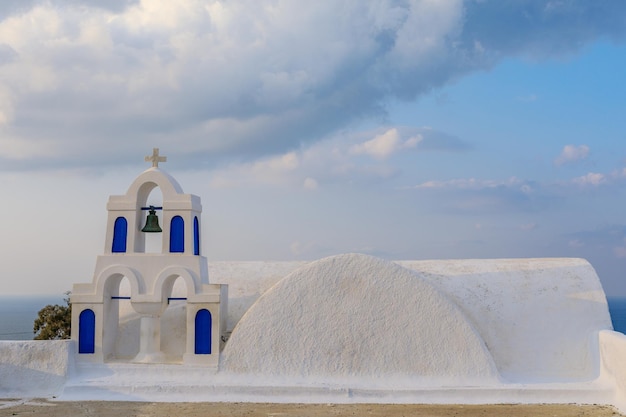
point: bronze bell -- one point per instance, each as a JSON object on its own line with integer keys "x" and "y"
{"x": 152, "y": 222}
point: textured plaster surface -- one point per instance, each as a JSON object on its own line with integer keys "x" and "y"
{"x": 538, "y": 317}
{"x": 33, "y": 368}
{"x": 357, "y": 316}
{"x": 247, "y": 281}
{"x": 533, "y": 323}
{"x": 613, "y": 351}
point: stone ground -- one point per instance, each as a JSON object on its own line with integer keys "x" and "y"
{"x": 47, "y": 408}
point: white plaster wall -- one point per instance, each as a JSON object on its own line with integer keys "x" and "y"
{"x": 173, "y": 326}
{"x": 613, "y": 353}
{"x": 563, "y": 298}
{"x": 174, "y": 331}
{"x": 538, "y": 317}
{"x": 33, "y": 368}
{"x": 247, "y": 281}
{"x": 357, "y": 316}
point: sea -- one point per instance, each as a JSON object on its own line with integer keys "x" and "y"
{"x": 17, "y": 314}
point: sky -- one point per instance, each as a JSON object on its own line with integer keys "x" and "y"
{"x": 408, "y": 129}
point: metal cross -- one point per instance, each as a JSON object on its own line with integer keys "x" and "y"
{"x": 155, "y": 158}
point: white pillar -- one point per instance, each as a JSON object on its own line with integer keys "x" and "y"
{"x": 149, "y": 331}
{"x": 150, "y": 341}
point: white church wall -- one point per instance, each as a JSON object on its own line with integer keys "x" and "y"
{"x": 126, "y": 332}
{"x": 613, "y": 352}
{"x": 40, "y": 368}
{"x": 34, "y": 368}
{"x": 355, "y": 316}
{"x": 247, "y": 281}
{"x": 539, "y": 317}
{"x": 174, "y": 331}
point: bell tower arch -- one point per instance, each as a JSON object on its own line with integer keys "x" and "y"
{"x": 180, "y": 256}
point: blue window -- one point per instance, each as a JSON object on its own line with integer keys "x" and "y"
{"x": 119, "y": 235}
{"x": 86, "y": 331}
{"x": 177, "y": 234}
{"x": 196, "y": 236}
{"x": 203, "y": 332}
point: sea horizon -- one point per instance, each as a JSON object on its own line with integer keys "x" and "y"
{"x": 18, "y": 314}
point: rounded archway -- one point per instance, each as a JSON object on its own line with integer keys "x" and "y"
{"x": 121, "y": 323}
{"x": 175, "y": 285}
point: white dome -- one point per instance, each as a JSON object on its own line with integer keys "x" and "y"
{"x": 357, "y": 316}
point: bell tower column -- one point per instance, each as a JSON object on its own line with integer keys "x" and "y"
{"x": 150, "y": 332}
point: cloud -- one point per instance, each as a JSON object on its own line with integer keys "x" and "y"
{"x": 475, "y": 195}
{"x": 434, "y": 140}
{"x": 98, "y": 82}
{"x": 480, "y": 196}
{"x": 529, "y": 226}
{"x": 596, "y": 179}
{"x": 310, "y": 183}
{"x": 607, "y": 239}
{"x": 542, "y": 28}
{"x": 474, "y": 184}
{"x": 384, "y": 145}
{"x": 12, "y": 7}
{"x": 591, "y": 179}
{"x": 356, "y": 157}
{"x": 274, "y": 170}
{"x": 575, "y": 243}
{"x": 572, "y": 153}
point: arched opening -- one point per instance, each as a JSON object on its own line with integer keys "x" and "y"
{"x": 120, "y": 231}
{"x": 177, "y": 235}
{"x": 121, "y": 322}
{"x": 153, "y": 242}
{"x": 196, "y": 236}
{"x": 86, "y": 331}
{"x": 174, "y": 319}
{"x": 203, "y": 332}
{"x": 128, "y": 323}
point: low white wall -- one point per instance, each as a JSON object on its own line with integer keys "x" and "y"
{"x": 612, "y": 355}
{"x": 34, "y": 368}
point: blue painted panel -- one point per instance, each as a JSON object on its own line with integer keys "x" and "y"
{"x": 177, "y": 234}
{"x": 120, "y": 229}
{"x": 203, "y": 332}
{"x": 86, "y": 332}
{"x": 196, "y": 236}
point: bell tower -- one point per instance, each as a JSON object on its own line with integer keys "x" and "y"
{"x": 95, "y": 312}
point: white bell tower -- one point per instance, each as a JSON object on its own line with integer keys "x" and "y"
{"x": 95, "y": 312}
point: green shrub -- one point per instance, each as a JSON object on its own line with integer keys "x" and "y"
{"x": 53, "y": 322}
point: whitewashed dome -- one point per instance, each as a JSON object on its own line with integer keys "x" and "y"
{"x": 357, "y": 316}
